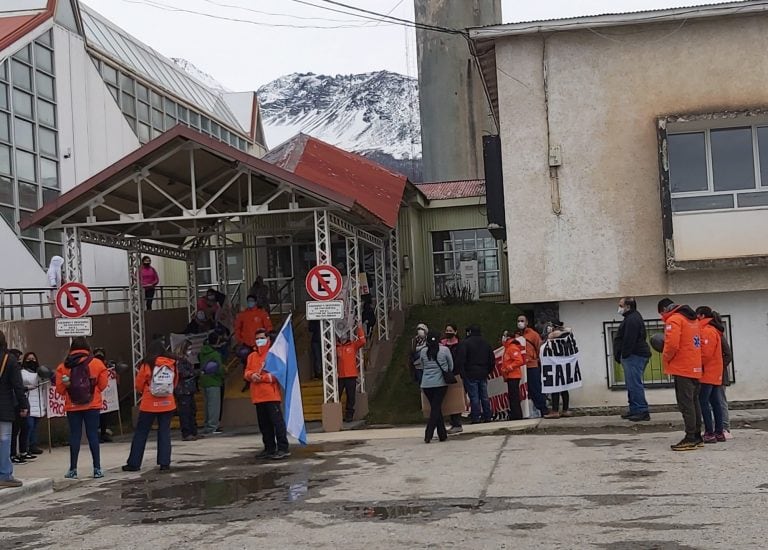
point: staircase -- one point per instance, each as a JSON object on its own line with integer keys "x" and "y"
{"x": 312, "y": 399}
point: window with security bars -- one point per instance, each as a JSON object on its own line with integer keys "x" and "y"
{"x": 450, "y": 248}
{"x": 654, "y": 372}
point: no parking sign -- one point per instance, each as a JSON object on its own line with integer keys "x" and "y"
{"x": 323, "y": 282}
{"x": 73, "y": 300}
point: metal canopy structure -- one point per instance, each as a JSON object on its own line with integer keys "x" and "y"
{"x": 184, "y": 193}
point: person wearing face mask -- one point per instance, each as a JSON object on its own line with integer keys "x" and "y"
{"x": 631, "y": 349}
{"x": 211, "y": 380}
{"x": 533, "y": 369}
{"x": 512, "y": 363}
{"x": 37, "y": 395}
{"x": 265, "y": 394}
{"x": 211, "y": 303}
{"x": 250, "y": 320}
{"x": 346, "y": 361}
{"x": 418, "y": 343}
{"x": 149, "y": 280}
{"x": 451, "y": 341}
{"x": 477, "y": 361}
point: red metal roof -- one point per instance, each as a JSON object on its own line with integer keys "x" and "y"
{"x": 14, "y": 27}
{"x": 375, "y": 188}
{"x": 459, "y": 189}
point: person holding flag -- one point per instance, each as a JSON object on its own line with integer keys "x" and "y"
{"x": 265, "y": 394}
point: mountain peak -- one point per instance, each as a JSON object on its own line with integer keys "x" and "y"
{"x": 191, "y": 69}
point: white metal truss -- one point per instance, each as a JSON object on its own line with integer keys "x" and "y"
{"x": 128, "y": 243}
{"x": 381, "y": 293}
{"x": 191, "y": 263}
{"x": 136, "y": 314}
{"x": 355, "y": 306}
{"x": 327, "y": 331}
{"x": 73, "y": 259}
{"x": 394, "y": 265}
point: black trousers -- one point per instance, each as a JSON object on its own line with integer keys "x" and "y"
{"x": 317, "y": 359}
{"x": 455, "y": 421}
{"x": 513, "y": 389}
{"x": 687, "y": 393}
{"x": 435, "y": 397}
{"x": 187, "y": 411}
{"x": 348, "y": 386}
{"x": 556, "y": 400}
{"x": 149, "y": 295}
{"x": 272, "y": 426}
{"x": 19, "y": 436}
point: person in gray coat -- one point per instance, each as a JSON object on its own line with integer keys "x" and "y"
{"x": 435, "y": 360}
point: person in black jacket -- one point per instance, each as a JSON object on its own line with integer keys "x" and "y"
{"x": 631, "y": 350}
{"x": 475, "y": 360}
{"x": 13, "y": 398}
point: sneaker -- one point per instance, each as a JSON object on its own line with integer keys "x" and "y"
{"x": 280, "y": 455}
{"x": 10, "y": 483}
{"x": 165, "y": 468}
{"x": 218, "y": 431}
{"x": 720, "y": 436}
{"x": 97, "y": 473}
{"x": 709, "y": 438}
{"x": 36, "y": 451}
{"x": 685, "y": 445}
{"x": 455, "y": 430}
{"x": 700, "y": 442}
{"x": 105, "y": 439}
{"x": 265, "y": 454}
{"x": 566, "y": 414}
{"x": 189, "y": 438}
{"x": 18, "y": 459}
{"x": 626, "y": 415}
{"x": 640, "y": 417}
{"x": 552, "y": 414}
{"x": 29, "y": 456}
{"x": 728, "y": 435}
{"x": 127, "y": 468}
{"x": 71, "y": 474}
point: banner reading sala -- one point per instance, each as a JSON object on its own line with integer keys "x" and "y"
{"x": 560, "y": 365}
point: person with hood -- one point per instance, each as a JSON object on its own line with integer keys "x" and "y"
{"x": 211, "y": 380}
{"x": 13, "y": 398}
{"x": 54, "y": 282}
{"x": 512, "y": 363}
{"x": 631, "y": 349}
{"x": 451, "y": 341}
{"x": 260, "y": 292}
{"x": 265, "y": 394}
{"x": 80, "y": 379}
{"x": 185, "y": 394}
{"x": 418, "y": 343}
{"x": 711, "y": 326}
{"x": 477, "y": 360}
{"x": 248, "y": 321}
{"x": 156, "y": 381}
{"x": 149, "y": 280}
{"x": 681, "y": 359}
{"x": 436, "y": 360}
{"x": 532, "y": 366}
{"x": 37, "y": 394}
{"x": 346, "y": 363}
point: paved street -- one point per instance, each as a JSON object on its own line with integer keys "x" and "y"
{"x": 604, "y": 489}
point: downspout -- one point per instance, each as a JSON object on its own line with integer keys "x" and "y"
{"x": 554, "y": 181}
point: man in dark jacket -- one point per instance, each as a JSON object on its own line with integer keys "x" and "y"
{"x": 12, "y": 398}
{"x": 631, "y": 350}
{"x": 475, "y": 359}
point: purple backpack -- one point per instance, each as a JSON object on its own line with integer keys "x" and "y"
{"x": 80, "y": 386}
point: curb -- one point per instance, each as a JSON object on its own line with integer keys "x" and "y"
{"x": 31, "y": 488}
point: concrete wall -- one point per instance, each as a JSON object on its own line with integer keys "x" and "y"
{"x": 603, "y": 96}
{"x": 454, "y": 110}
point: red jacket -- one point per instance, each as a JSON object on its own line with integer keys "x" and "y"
{"x": 99, "y": 379}
{"x": 682, "y": 343}
{"x": 346, "y": 356}
{"x": 248, "y": 322}
{"x": 513, "y": 360}
{"x": 266, "y": 390}
{"x": 152, "y": 403}
{"x": 711, "y": 353}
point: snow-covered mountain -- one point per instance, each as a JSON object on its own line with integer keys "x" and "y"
{"x": 374, "y": 114}
{"x": 191, "y": 69}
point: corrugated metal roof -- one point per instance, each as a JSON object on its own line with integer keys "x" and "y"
{"x": 376, "y": 189}
{"x": 117, "y": 44}
{"x": 458, "y": 189}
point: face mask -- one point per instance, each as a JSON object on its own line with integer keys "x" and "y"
{"x": 147, "y": 264}
{"x": 549, "y": 329}
{"x": 30, "y": 364}
{"x": 504, "y": 339}
{"x": 251, "y": 304}
{"x": 450, "y": 335}
{"x": 521, "y": 325}
{"x": 621, "y": 311}
{"x": 261, "y": 342}
{"x": 421, "y": 332}
{"x": 200, "y": 316}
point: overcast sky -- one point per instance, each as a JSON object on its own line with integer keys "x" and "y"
{"x": 243, "y": 56}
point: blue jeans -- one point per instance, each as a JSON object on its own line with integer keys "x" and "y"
{"x": 32, "y": 422}
{"x": 6, "y": 466}
{"x": 634, "y": 369}
{"x": 534, "y": 389}
{"x": 710, "y": 407}
{"x": 139, "y": 442}
{"x": 480, "y": 405}
{"x": 720, "y": 393}
{"x": 76, "y": 420}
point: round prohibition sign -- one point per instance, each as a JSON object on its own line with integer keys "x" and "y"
{"x": 73, "y": 300}
{"x": 323, "y": 282}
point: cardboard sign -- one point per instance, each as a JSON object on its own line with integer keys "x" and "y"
{"x": 56, "y": 403}
{"x": 109, "y": 397}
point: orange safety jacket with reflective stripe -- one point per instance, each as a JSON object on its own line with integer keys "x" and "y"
{"x": 266, "y": 390}
{"x": 682, "y": 343}
{"x": 153, "y": 403}
{"x": 346, "y": 356}
{"x": 711, "y": 353}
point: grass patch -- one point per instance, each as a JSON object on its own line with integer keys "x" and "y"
{"x": 397, "y": 401}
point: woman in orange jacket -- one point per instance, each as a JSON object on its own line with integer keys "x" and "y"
{"x": 346, "y": 364}
{"x": 265, "y": 394}
{"x": 80, "y": 379}
{"x": 711, "y": 328}
{"x": 156, "y": 382}
{"x": 512, "y": 363}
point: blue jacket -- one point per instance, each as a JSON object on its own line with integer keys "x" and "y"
{"x": 433, "y": 370}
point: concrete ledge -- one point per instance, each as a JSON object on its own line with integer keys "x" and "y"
{"x": 31, "y": 488}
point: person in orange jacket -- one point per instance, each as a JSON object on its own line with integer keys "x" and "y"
{"x": 512, "y": 363}
{"x": 249, "y": 321}
{"x": 156, "y": 381}
{"x": 346, "y": 364}
{"x": 80, "y": 379}
{"x": 533, "y": 368}
{"x": 712, "y": 328}
{"x": 681, "y": 359}
{"x": 265, "y": 394}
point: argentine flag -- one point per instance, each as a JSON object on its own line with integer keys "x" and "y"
{"x": 282, "y": 364}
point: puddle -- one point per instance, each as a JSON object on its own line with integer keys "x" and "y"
{"x": 634, "y": 474}
{"x": 597, "y": 442}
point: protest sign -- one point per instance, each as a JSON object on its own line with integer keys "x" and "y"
{"x": 56, "y": 403}
{"x": 109, "y": 397}
{"x": 560, "y": 369}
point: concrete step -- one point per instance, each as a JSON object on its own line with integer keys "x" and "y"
{"x": 31, "y": 488}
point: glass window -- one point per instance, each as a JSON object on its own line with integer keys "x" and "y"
{"x": 702, "y": 202}
{"x": 4, "y": 71}
{"x": 142, "y": 92}
{"x": 25, "y": 165}
{"x": 127, "y": 84}
{"x": 128, "y": 104}
{"x": 47, "y": 141}
{"x": 157, "y": 100}
{"x": 131, "y": 122}
{"x": 142, "y": 111}
{"x": 733, "y": 166}
{"x": 157, "y": 119}
{"x": 9, "y": 215}
{"x": 32, "y": 233}
{"x": 687, "y": 162}
{"x": 46, "y": 113}
{"x": 49, "y": 172}
{"x": 233, "y": 140}
{"x": 450, "y": 248}
{"x": 28, "y": 196}
{"x": 224, "y": 135}
{"x": 44, "y": 85}
{"x": 5, "y": 131}
{"x": 156, "y": 132}
{"x": 762, "y": 147}
{"x": 33, "y": 246}
{"x": 215, "y": 129}
{"x": 51, "y": 250}
{"x": 24, "y": 134}
{"x": 43, "y": 58}
{"x": 144, "y": 132}
{"x": 242, "y": 144}
{"x": 6, "y": 190}
{"x": 194, "y": 119}
{"x": 5, "y": 160}
{"x": 109, "y": 73}
{"x": 3, "y": 96}
{"x": 53, "y": 235}
{"x": 23, "y": 54}
{"x": 183, "y": 114}
{"x": 205, "y": 124}
{"x": 45, "y": 39}
{"x": 114, "y": 91}
{"x": 753, "y": 199}
{"x": 22, "y": 103}
{"x": 50, "y": 195}
{"x": 170, "y": 107}
{"x": 21, "y": 75}
{"x": 170, "y": 122}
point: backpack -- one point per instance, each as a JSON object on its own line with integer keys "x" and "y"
{"x": 161, "y": 384}
{"x": 80, "y": 385}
